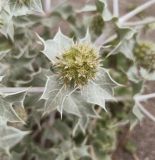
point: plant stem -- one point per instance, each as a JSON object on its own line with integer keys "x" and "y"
{"x": 142, "y": 22}
{"x": 116, "y": 8}
{"x": 19, "y": 89}
{"x": 144, "y": 97}
{"x": 136, "y": 11}
{"x": 147, "y": 113}
{"x": 41, "y": 89}
{"x": 99, "y": 41}
{"x": 47, "y": 6}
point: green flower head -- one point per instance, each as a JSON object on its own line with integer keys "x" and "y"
{"x": 78, "y": 81}
{"x": 78, "y": 64}
{"x": 145, "y": 55}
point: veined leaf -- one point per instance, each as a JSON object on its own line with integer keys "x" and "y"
{"x": 107, "y": 15}
{"x": 23, "y": 8}
{"x": 10, "y": 136}
{"x": 9, "y": 107}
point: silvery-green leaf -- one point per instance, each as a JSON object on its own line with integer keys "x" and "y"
{"x": 1, "y": 77}
{"x": 83, "y": 123}
{"x": 86, "y": 110}
{"x": 56, "y": 46}
{"x": 63, "y": 41}
{"x": 146, "y": 74}
{"x": 15, "y": 97}
{"x": 127, "y": 49}
{"x": 125, "y": 42}
{"x": 3, "y": 53}
{"x": 125, "y": 32}
{"x": 19, "y": 9}
{"x": 3, "y": 121}
{"x": 10, "y": 136}
{"x": 70, "y": 106}
{"x": 59, "y": 97}
{"x": 133, "y": 74}
{"x": 36, "y": 5}
{"x": 136, "y": 111}
{"x": 87, "y": 38}
{"x": 50, "y": 86}
{"x": 53, "y": 94}
{"x": 87, "y": 8}
{"x": 61, "y": 157}
{"x": 7, "y": 28}
{"x": 95, "y": 94}
{"x": 107, "y": 16}
{"x": 55, "y": 98}
{"x": 3, "y": 4}
{"x": 82, "y": 152}
{"x": 51, "y": 49}
{"x": 7, "y": 111}
{"x": 62, "y": 100}
{"x": 99, "y": 90}
{"x": 103, "y": 78}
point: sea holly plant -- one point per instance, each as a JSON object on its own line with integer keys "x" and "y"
{"x": 78, "y": 80}
{"x": 53, "y": 88}
{"x": 143, "y": 68}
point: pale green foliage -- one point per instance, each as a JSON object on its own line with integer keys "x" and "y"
{"x": 138, "y": 113}
{"x": 107, "y": 15}
{"x": 22, "y": 7}
{"x": 10, "y": 112}
{"x": 6, "y": 27}
{"x": 8, "y": 104}
{"x": 56, "y": 46}
{"x": 11, "y": 8}
{"x": 10, "y": 136}
{"x": 77, "y": 87}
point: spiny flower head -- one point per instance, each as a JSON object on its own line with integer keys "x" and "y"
{"x": 145, "y": 55}
{"x": 78, "y": 64}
